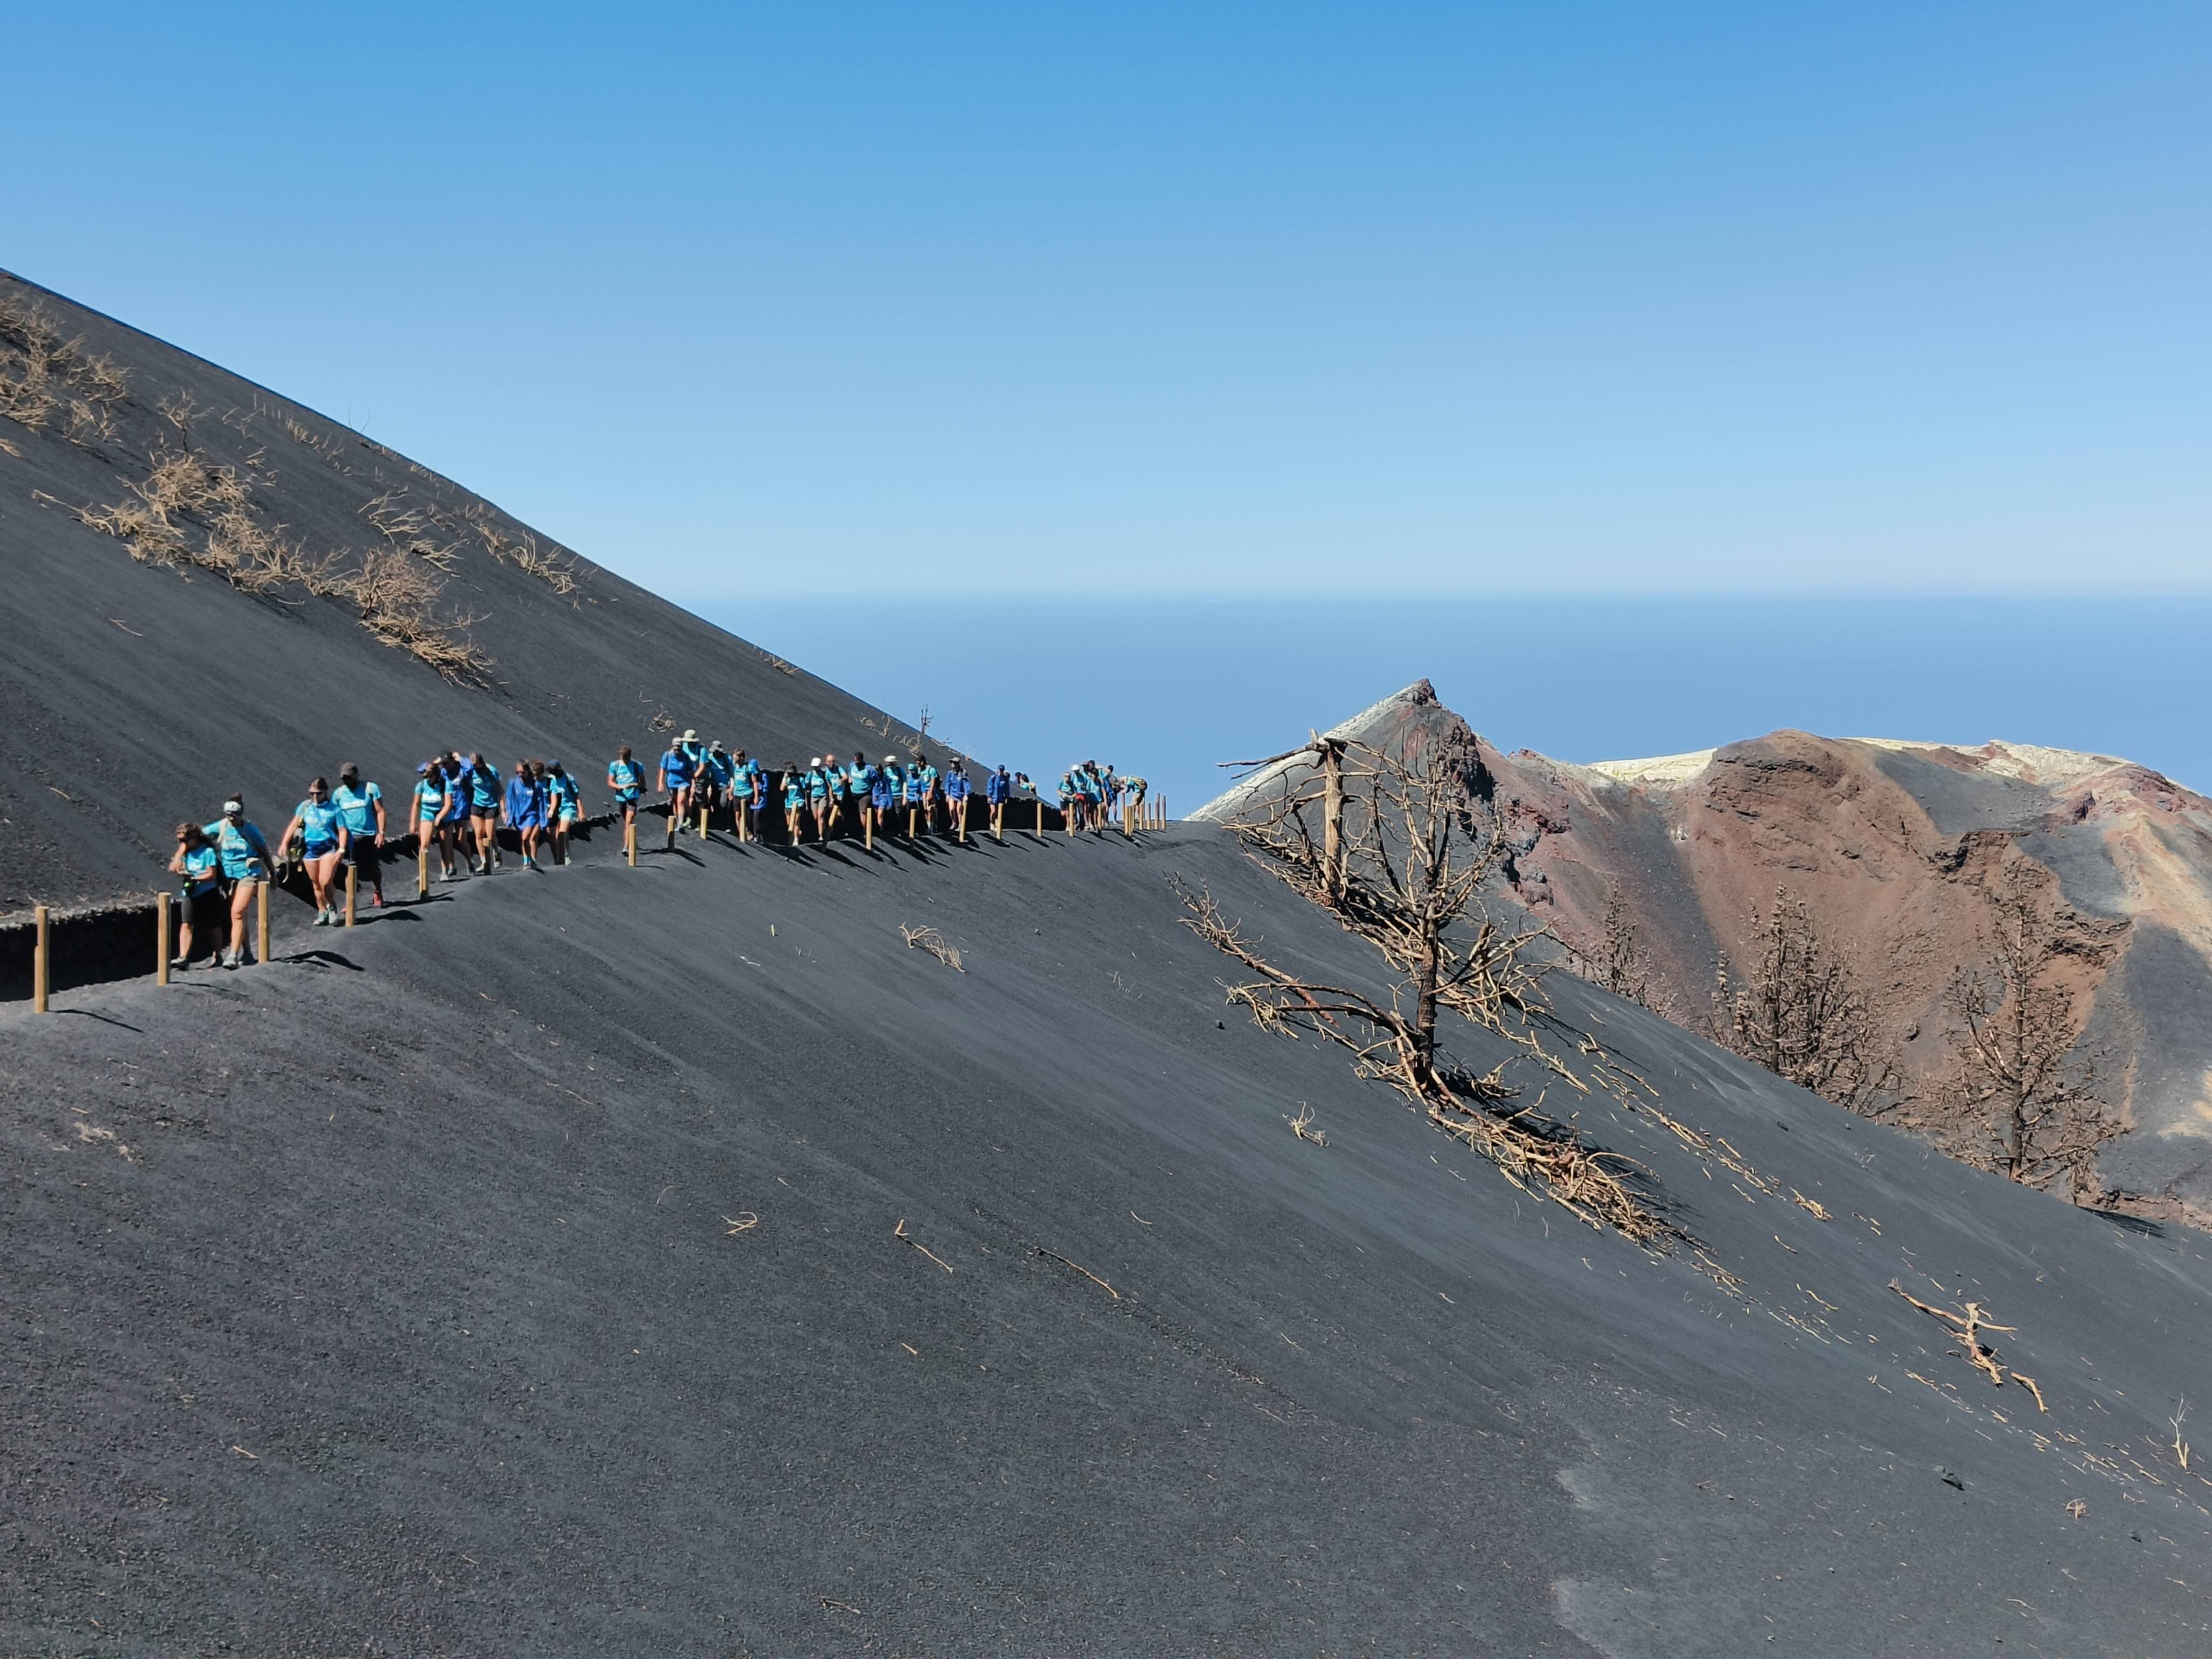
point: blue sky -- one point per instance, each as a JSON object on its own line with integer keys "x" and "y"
{"x": 1040, "y": 300}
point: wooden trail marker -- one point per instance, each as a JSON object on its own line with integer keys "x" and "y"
{"x": 1039, "y": 817}
{"x": 352, "y": 882}
{"x": 963, "y": 820}
{"x": 261, "y": 922}
{"x": 422, "y": 871}
{"x": 672, "y": 825}
{"x": 702, "y": 823}
{"x": 1128, "y": 817}
{"x": 868, "y": 826}
{"x": 160, "y": 938}
{"x": 629, "y": 840}
{"x": 41, "y": 949}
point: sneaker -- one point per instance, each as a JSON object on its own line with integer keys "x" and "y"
{"x": 322, "y": 919}
{"x": 180, "y": 965}
{"x": 529, "y": 864}
{"x": 450, "y": 875}
{"x": 376, "y": 901}
{"x": 228, "y": 958}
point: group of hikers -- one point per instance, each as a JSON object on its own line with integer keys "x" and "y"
{"x": 461, "y": 803}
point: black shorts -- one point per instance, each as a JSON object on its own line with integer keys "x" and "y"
{"x": 362, "y": 854}
{"x": 206, "y": 913}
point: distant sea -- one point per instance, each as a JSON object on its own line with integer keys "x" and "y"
{"x": 1171, "y": 689}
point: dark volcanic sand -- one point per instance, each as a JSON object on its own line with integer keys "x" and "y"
{"x": 430, "y": 1219}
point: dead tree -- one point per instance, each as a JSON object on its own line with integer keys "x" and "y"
{"x": 2022, "y": 1097}
{"x": 1399, "y": 846}
{"x": 1803, "y": 1011}
{"x": 1616, "y": 962}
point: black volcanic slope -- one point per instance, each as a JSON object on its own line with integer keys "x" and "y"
{"x": 387, "y": 1296}
{"x": 672, "y": 1261}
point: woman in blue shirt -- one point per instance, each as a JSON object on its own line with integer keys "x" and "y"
{"x": 322, "y": 835}
{"x": 524, "y": 808}
{"x": 430, "y": 810}
{"x": 795, "y": 799}
{"x": 244, "y": 853}
{"x": 201, "y": 866}
{"x": 565, "y": 805}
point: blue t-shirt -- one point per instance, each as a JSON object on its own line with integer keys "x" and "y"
{"x": 319, "y": 825}
{"x": 819, "y": 783}
{"x": 625, "y": 779}
{"x": 483, "y": 789}
{"x": 244, "y": 851}
{"x": 202, "y": 865}
{"x": 744, "y": 779}
{"x": 430, "y": 799}
{"x": 457, "y": 795}
{"x": 561, "y": 793}
{"x": 955, "y": 786}
{"x": 357, "y": 807}
{"x": 718, "y": 769}
{"x": 795, "y": 791}
{"x": 676, "y": 767}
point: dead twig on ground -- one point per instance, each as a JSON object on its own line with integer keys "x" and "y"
{"x": 743, "y": 1222}
{"x": 1302, "y": 1126}
{"x": 900, "y": 1232}
{"x": 1967, "y": 1328}
{"x": 1056, "y": 1256}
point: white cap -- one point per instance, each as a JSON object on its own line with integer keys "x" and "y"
{"x": 232, "y": 807}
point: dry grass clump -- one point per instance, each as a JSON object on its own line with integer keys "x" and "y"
{"x": 929, "y": 939}
{"x": 398, "y": 600}
{"x": 43, "y": 376}
{"x": 557, "y": 568}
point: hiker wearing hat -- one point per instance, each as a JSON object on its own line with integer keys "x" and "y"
{"x": 315, "y": 821}
{"x": 998, "y": 789}
{"x": 956, "y": 797}
{"x": 719, "y": 771}
{"x": 360, "y": 808}
{"x": 244, "y": 851}
{"x": 820, "y": 785}
{"x": 676, "y": 778}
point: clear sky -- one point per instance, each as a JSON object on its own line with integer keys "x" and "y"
{"x": 1048, "y": 300}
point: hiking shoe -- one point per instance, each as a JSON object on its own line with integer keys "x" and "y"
{"x": 376, "y": 900}
{"x": 322, "y": 919}
{"x": 228, "y": 958}
{"x": 529, "y": 864}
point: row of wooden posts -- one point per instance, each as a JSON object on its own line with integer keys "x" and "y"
{"x": 1149, "y": 815}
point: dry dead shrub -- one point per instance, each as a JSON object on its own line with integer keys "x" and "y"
{"x": 43, "y": 375}
{"x": 557, "y": 568}
{"x": 398, "y": 600}
{"x": 929, "y": 939}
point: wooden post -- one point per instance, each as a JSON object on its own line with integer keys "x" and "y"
{"x": 672, "y": 824}
{"x": 868, "y": 826}
{"x": 963, "y": 820}
{"x": 1039, "y": 817}
{"x": 261, "y": 922}
{"x": 40, "y": 950}
{"x": 702, "y": 823}
{"x": 160, "y": 938}
{"x": 630, "y": 839}
{"x": 1128, "y": 816}
{"x": 422, "y": 869}
{"x": 352, "y": 882}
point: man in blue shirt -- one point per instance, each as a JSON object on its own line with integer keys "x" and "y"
{"x": 360, "y": 808}
{"x": 482, "y": 785}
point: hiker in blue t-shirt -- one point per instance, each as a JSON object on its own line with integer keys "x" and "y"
{"x": 821, "y": 787}
{"x": 244, "y": 853}
{"x": 196, "y": 860}
{"x": 859, "y": 784}
{"x": 748, "y": 793}
{"x": 322, "y": 834}
{"x": 722, "y": 772}
{"x": 564, "y": 805}
{"x": 524, "y": 810}
{"x": 360, "y": 808}
{"x": 676, "y": 774}
{"x": 429, "y": 810}
{"x": 794, "y": 800}
{"x": 483, "y": 811}
{"x": 456, "y": 817}
{"x": 998, "y": 789}
{"x": 885, "y": 784}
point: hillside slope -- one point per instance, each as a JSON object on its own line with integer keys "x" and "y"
{"x": 1897, "y": 848}
{"x": 135, "y": 691}
{"x": 391, "y": 1293}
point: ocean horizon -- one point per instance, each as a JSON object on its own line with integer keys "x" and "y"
{"x": 1173, "y": 689}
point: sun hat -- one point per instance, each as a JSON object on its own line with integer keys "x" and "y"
{"x": 233, "y": 807}
{"x": 690, "y": 734}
